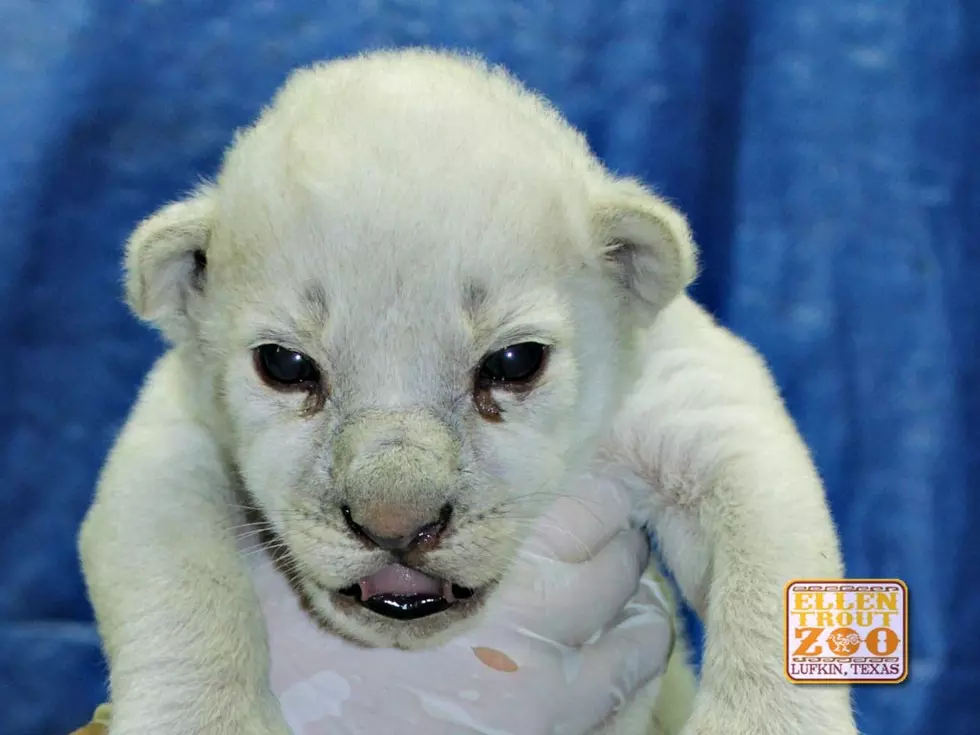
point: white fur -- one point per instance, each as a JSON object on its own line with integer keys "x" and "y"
{"x": 397, "y": 216}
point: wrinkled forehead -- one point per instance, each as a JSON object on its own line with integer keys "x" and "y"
{"x": 414, "y": 239}
{"x": 396, "y": 230}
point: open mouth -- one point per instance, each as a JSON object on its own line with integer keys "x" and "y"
{"x": 404, "y": 593}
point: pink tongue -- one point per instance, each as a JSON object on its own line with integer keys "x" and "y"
{"x": 396, "y": 579}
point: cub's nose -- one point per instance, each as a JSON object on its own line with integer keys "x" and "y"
{"x": 397, "y": 531}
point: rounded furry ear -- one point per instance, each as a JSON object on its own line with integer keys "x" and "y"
{"x": 166, "y": 260}
{"x": 646, "y": 243}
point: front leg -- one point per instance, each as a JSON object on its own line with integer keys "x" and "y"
{"x": 178, "y": 617}
{"x": 738, "y": 510}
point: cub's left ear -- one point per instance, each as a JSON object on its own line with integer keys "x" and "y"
{"x": 646, "y": 244}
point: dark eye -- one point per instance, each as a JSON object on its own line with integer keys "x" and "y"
{"x": 515, "y": 364}
{"x": 285, "y": 368}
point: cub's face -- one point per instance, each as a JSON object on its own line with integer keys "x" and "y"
{"x": 413, "y": 312}
{"x": 408, "y": 392}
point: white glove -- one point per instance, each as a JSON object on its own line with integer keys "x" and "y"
{"x": 568, "y": 637}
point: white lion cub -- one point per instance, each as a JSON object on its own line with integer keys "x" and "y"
{"x": 413, "y": 307}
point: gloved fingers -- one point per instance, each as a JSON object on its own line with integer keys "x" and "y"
{"x": 570, "y": 603}
{"x": 582, "y": 522}
{"x": 605, "y": 674}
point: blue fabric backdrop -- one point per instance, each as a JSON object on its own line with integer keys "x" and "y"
{"x": 827, "y": 153}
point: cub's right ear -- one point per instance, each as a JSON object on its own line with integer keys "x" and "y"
{"x": 166, "y": 264}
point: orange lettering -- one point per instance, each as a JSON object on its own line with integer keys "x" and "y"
{"x": 808, "y": 647}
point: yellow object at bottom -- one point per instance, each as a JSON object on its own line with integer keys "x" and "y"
{"x": 99, "y": 724}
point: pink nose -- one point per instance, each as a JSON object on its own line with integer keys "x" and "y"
{"x": 398, "y": 532}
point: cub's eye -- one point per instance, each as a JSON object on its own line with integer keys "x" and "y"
{"x": 284, "y": 368}
{"x": 515, "y": 364}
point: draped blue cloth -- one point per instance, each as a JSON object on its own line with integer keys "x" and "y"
{"x": 827, "y": 153}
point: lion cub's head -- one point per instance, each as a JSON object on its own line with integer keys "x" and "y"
{"x": 408, "y": 297}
